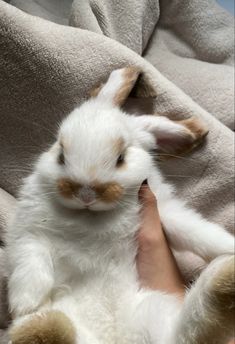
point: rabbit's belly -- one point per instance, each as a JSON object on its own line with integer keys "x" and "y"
{"x": 108, "y": 311}
{"x": 103, "y": 289}
{"x": 106, "y": 304}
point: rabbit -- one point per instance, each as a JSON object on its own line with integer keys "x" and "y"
{"x": 71, "y": 246}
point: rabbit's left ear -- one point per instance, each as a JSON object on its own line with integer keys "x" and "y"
{"x": 118, "y": 86}
{"x": 171, "y": 137}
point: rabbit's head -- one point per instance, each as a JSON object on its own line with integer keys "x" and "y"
{"x": 102, "y": 154}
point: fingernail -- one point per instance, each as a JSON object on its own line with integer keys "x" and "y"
{"x": 145, "y": 182}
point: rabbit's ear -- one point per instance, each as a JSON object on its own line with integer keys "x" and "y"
{"x": 118, "y": 86}
{"x": 172, "y": 137}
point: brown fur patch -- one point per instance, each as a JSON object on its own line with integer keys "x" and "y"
{"x": 196, "y": 132}
{"x": 130, "y": 76}
{"x": 193, "y": 136}
{"x": 214, "y": 316}
{"x": 119, "y": 149}
{"x": 109, "y": 192}
{"x": 118, "y": 146}
{"x": 96, "y": 90}
{"x": 223, "y": 291}
{"x": 195, "y": 126}
{"x": 67, "y": 187}
{"x": 219, "y": 314}
{"x": 50, "y": 328}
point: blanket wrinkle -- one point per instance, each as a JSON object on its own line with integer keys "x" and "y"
{"x": 194, "y": 21}
{"x": 120, "y": 20}
{"x": 53, "y": 52}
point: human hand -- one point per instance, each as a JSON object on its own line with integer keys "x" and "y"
{"x": 155, "y": 262}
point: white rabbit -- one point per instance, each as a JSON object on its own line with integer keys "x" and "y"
{"x": 71, "y": 246}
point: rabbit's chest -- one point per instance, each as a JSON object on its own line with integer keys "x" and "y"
{"x": 86, "y": 260}
{"x": 91, "y": 246}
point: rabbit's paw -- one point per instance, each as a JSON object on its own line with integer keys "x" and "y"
{"x": 222, "y": 290}
{"x": 48, "y": 328}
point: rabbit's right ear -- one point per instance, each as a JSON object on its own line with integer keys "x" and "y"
{"x": 118, "y": 86}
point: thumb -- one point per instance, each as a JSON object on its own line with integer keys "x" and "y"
{"x": 151, "y": 223}
{"x": 147, "y": 198}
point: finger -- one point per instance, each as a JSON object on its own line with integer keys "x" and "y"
{"x": 149, "y": 210}
{"x": 145, "y": 193}
{"x": 147, "y": 198}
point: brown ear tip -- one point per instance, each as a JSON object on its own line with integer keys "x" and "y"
{"x": 196, "y": 126}
{"x": 133, "y": 71}
{"x": 205, "y": 133}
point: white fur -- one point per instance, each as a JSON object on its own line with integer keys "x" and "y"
{"x": 82, "y": 261}
{"x": 110, "y": 89}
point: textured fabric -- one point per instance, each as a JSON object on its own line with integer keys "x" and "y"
{"x": 196, "y": 52}
{"x": 7, "y": 203}
{"x": 185, "y": 49}
{"x": 3, "y": 298}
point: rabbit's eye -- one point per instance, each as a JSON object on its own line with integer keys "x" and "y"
{"x": 120, "y": 160}
{"x": 61, "y": 159}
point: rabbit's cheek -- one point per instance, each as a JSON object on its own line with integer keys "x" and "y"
{"x": 109, "y": 192}
{"x": 105, "y": 192}
{"x": 67, "y": 188}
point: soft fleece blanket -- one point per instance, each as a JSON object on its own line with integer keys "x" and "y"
{"x": 48, "y": 66}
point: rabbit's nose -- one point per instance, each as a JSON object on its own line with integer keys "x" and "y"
{"x": 86, "y": 194}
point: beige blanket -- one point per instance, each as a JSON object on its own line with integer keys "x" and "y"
{"x": 47, "y": 67}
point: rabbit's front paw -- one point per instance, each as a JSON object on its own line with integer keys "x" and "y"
{"x": 24, "y": 303}
{"x": 27, "y": 294}
{"x": 223, "y": 243}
